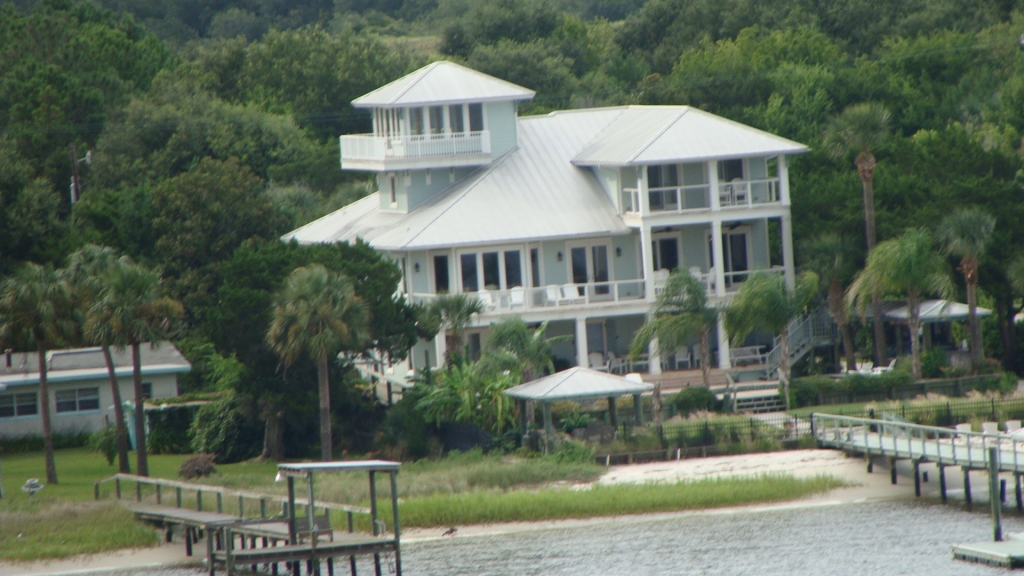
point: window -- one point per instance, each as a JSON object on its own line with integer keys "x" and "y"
{"x": 456, "y": 123}
{"x": 437, "y": 119}
{"x": 476, "y": 117}
{"x": 469, "y": 280}
{"x": 78, "y": 400}
{"x": 416, "y": 124}
{"x": 729, "y": 170}
{"x": 535, "y": 267}
{"x": 392, "y": 195}
{"x": 513, "y": 269}
{"x": 147, "y": 390}
{"x": 441, "y": 285}
{"x": 662, "y": 176}
{"x": 492, "y": 271}
{"x": 26, "y": 404}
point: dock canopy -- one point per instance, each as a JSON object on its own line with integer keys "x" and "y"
{"x": 305, "y": 469}
{"x": 933, "y": 311}
{"x": 580, "y": 385}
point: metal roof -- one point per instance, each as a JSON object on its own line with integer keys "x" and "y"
{"x": 666, "y": 134}
{"x": 931, "y": 311}
{"x": 577, "y": 384}
{"x": 531, "y": 193}
{"x": 442, "y": 82}
{"x": 77, "y": 364}
{"x": 304, "y": 469}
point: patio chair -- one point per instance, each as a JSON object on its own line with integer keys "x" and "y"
{"x": 865, "y": 367}
{"x": 1012, "y": 426}
{"x": 486, "y": 298}
{"x": 617, "y": 365}
{"x": 553, "y": 294}
{"x": 683, "y": 358}
{"x": 571, "y": 295}
{"x": 597, "y": 362}
{"x": 990, "y": 427}
{"x": 884, "y": 369}
{"x": 517, "y": 297}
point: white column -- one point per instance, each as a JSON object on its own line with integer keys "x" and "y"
{"x": 716, "y": 202}
{"x": 724, "y": 362}
{"x": 787, "y": 251}
{"x": 783, "y": 181}
{"x": 646, "y": 240}
{"x": 439, "y": 344}
{"x": 641, "y": 184}
{"x": 654, "y": 360}
{"x": 581, "y": 342}
{"x": 719, "y": 255}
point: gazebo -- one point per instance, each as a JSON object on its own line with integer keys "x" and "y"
{"x": 930, "y": 312}
{"x": 580, "y": 385}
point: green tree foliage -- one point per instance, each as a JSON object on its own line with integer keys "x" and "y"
{"x": 834, "y": 259}
{"x": 965, "y": 234}
{"x": 221, "y": 428}
{"x": 512, "y": 345}
{"x": 471, "y": 393}
{"x": 64, "y": 67}
{"x": 453, "y": 313}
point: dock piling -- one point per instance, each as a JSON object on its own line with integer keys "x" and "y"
{"x": 967, "y": 487}
{"x": 942, "y": 483}
{"x": 917, "y": 478}
{"x": 1020, "y": 496}
{"x": 993, "y": 486}
{"x": 892, "y": 470}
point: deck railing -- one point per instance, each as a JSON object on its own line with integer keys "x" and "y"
{"x": 679, "y": 199}
{"x": 380, "y": 148}
{"x": 553, "y": 296}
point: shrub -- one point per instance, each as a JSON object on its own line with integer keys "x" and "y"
{"x": 220, "y": 428}
{"x": 34, "y": 443}
{"x": 169, "y": 430}
{"x": 197, "y": 466}
{"x": 574, "y": 452}
{"x": 932, "y": 363}
{"x": 574, "y": 420}
{"x": 689, "y": 400}
{"x": 105, "y": 442}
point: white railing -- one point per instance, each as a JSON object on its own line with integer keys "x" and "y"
{"x": 803, "y": 334}
{"x": 552, "y": 296}
{"x": 380, "y": 148}
{"x": 748, "y": 193}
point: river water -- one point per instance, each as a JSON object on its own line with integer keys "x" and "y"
{"x": 880, "y": 538}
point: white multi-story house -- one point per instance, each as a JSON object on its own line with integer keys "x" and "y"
{"x": 573, "y": 217}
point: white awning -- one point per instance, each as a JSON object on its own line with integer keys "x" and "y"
{"x": 577, "y": 384}
{"x": 933, "y": 311}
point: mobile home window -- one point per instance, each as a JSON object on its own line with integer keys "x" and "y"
{"x": 78, "y": 400}
{"x": 476, "y": 117}
{"x": 25, "y": 404}
{"x": 456, "y": 123}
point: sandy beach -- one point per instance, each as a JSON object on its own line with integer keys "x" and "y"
{"x": 863, "y": 487}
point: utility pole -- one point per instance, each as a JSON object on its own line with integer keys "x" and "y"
{"x": 76, "y": 180}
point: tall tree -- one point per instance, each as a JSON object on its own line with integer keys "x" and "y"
{"x": 764, "y": 302}
{"x": 680, "y": 314}
{"x": 907, "y": 266}
{"x": 36, "y": 312}
{"x": 833, "y": 258}
{"x": 455, "y": 311}
{"x": 965, "y": 234}
{"x": 528, "y": 348}
{"x": 317, "y": 313}
{"x": 858, "y": 129}
{"x": 87, "y": 270}
{"x": 132, "y": 309}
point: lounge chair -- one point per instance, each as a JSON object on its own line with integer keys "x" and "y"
{"x": 597, "y": 362}
{"x": 486, "y": 298}
{"x": 1012, "y": 426}
{"x": 884, "y": 369}
{"x": 517, "y": 297}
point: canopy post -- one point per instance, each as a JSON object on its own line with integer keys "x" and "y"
{"x": 612, "y": 412}
{"x": 549, "y": 427}
{"x": 638, "y": 413}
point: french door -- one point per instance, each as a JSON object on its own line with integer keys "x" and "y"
{"x": 735, "y": 251}
{"x": 589, "y": 265}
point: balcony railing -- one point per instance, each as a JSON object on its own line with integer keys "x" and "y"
{"x": 371, "y": 147}
{"x": 733, "y": 280}
{"x": 679, "y": 199}
{"x": 552, "y": 296}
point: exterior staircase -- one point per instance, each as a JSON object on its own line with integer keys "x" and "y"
{"x": 804, "y": 333}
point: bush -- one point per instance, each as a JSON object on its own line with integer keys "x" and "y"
{"x": 932, "y": 363}
{"x": 34, "y": 443}
{"x": 105, "y": 442}
{"x": 169, "y": 430}
{"x": 689, "y": 400}
{"x": 221, "y": 429}
{"x": 574, "y": 420}
{"x": 574, "y": 452}
{"x": 197, "y": 466}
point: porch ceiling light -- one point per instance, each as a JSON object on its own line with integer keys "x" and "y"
{"x": 559, "y": 256}
{"x": 416, "y": 267}
{"x": 618, "y": 251}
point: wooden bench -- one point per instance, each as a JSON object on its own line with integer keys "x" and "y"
{"x": 746, "y": 355}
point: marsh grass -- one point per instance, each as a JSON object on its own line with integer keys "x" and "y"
{"x": 559, "y": 504}
{"x": 46, "y": 530}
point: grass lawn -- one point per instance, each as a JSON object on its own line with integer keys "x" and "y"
{"x": 62, "y": 519}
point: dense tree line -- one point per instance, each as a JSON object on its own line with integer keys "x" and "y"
{"x": 212, "y": 128}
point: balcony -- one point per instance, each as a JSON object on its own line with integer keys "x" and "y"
{"x": 552, "y": 297}
{"x": 383, "y": 153}
{"x": 733, "y": 279}
{"x": 683, "y": 199}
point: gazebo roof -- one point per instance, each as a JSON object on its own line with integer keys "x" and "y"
{"x": 933, "y": 311}
{"x": 577, "y": 384}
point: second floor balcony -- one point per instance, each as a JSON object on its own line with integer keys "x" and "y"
{"x": 385, "y": 153}
{"x": 679, "y": 199}
{"x": 553, "y": 297}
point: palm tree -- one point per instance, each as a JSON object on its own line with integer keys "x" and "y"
{"x": 860, "y": 128}
{"x": 965, "y": 234}
{"x": 908, "y": 266}
{"x": 764, "y": 302}
{"x": 679, "y": 314}
{"x": 832, "y": 258}
{"x": 455, "y": 312}
{"x": 530, "y": 350}
{"x": 36, "y": 312}
{"x": 131, "y": 310}
{"x": 317, "y": 313}
{"x": 86, "y": 272}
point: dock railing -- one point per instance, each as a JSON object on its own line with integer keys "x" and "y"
{"x": 183, "y": 491}
{"x": 904, "y": 440}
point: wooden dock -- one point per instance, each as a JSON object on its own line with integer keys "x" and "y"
{"x": 1005, "y": 554}
{"x": 266, "y": 541}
